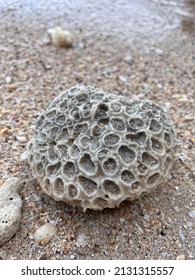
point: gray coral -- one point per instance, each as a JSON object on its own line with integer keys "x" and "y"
{"x": 95, "y": 149}
{"x": 10, "y": 208}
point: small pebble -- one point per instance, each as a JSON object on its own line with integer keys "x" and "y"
{"x": 33, "y": 127}
{"x": 45, "y": 233}
{"x": 128, "y": 59}
{"x": 177, "y": 209}
{"x": 181, "y": 235}
{"x": 53, "y": 222}
{"x": 158, "y": 51}
{"x": 72, "y": 257}
{"x": 164, "y": 254}
{"x": 81, "y": 239}
{"x": 122, "y": 79}
{"x": 8, "y": 80}
{"x": 10, "y": 87}
{"x": 192, "y": 214}
{"x": 189, "y": 224}
{"x": 24, "y": 156}
{"x": 46, "y": 41}
{"x": 146, "y": 217}
{"x": 21, "y": 139}
{"x": 167, "y": 106}
{"x": 180, "y": 257}
{"x": 182, "y": 158}
{"x": 160, "y": 86}
{"x": 122, "y": 220}
{"x": 184, "y": 99}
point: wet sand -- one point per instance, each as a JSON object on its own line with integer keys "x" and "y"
{"x": 144, "y": 49}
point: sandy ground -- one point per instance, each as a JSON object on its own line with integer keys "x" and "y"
{"x": 144, "y": 49}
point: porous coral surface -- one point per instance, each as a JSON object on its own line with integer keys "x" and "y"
{"x": 96, "y": 149}
{"x": 10, "y": 208}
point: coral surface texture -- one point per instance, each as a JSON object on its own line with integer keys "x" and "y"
{"x": 10, "y": 208}
{"x": 95, "y": 149}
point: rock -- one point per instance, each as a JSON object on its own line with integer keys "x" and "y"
{"x": 10, "y": 87}
{"x": 99, "y": 154}
{"x": 128, "y": 59}
{"x": 21, "y": 139}
{"x": 181, "y": 235}
{"x": 24, "y": 156}
{"x": 122, "y": 79}
{"x": 182, "y": 158}
{"x": 192, "y": 214}
{"x": 45, "y": 233}
{"x": 8, "y": 80}
{"x": 81, "y": 240}
{"x": 158, "y": 51}
{"x": 72, "y": 257}
{"x": 146, "y": 217}
{"x": 46, "y": 41}
{"x": 10, "y": 208}
{"x": 177, "y": 209}
{"x": 189, "y": 224}
{"x": 61, "y": 38}
{"x": 122, "y": 220}
{"x": 3, "y": 131}
{"x": 180, "y": 257}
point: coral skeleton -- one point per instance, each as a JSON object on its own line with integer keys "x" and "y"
{"x": 95, "y": 149}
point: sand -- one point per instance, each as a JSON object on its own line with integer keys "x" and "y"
{"x": 144, "y": 49}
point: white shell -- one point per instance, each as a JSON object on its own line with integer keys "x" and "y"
{"x": 45, "y": 233}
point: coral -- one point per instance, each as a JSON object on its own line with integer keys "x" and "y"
{"x": 10, "y": 208}
{"x": 44, "y": 233}
{"x": 61, "y": 38}
{"x": 95, "y": 149}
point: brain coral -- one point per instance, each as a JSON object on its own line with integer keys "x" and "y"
{"x": 95, "y": 149}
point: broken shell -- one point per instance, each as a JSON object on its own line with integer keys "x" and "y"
{"x": 45, "y": 233}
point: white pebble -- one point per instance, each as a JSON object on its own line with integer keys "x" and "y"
{"x": 8, "y": 79}
{"x": 181, "y": 235}
{"x": 128, "y": 59}
{"x": 146, "y": 217}
{"x": 122, "y": 220}
{"x": 81, "y": 240}
{"x": 53, "y": 222}
{"x": 21, "y": 139}
{"x": 24, "y": 156}
{"x": 189, "y": 224}
{"x": 72, "y": 257}
{"x": 45, "y": 233}
{"x": 182, "y": 157}
{"x": 160, "y": 86}
{"x": 180, "y": 257}
{"x": 33, "y": 127}
{"x": 158, "y": 51}
{"x": 177, "y": 209}
{"x": 122, "y": 79}
{"x": 192, "y": 214}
